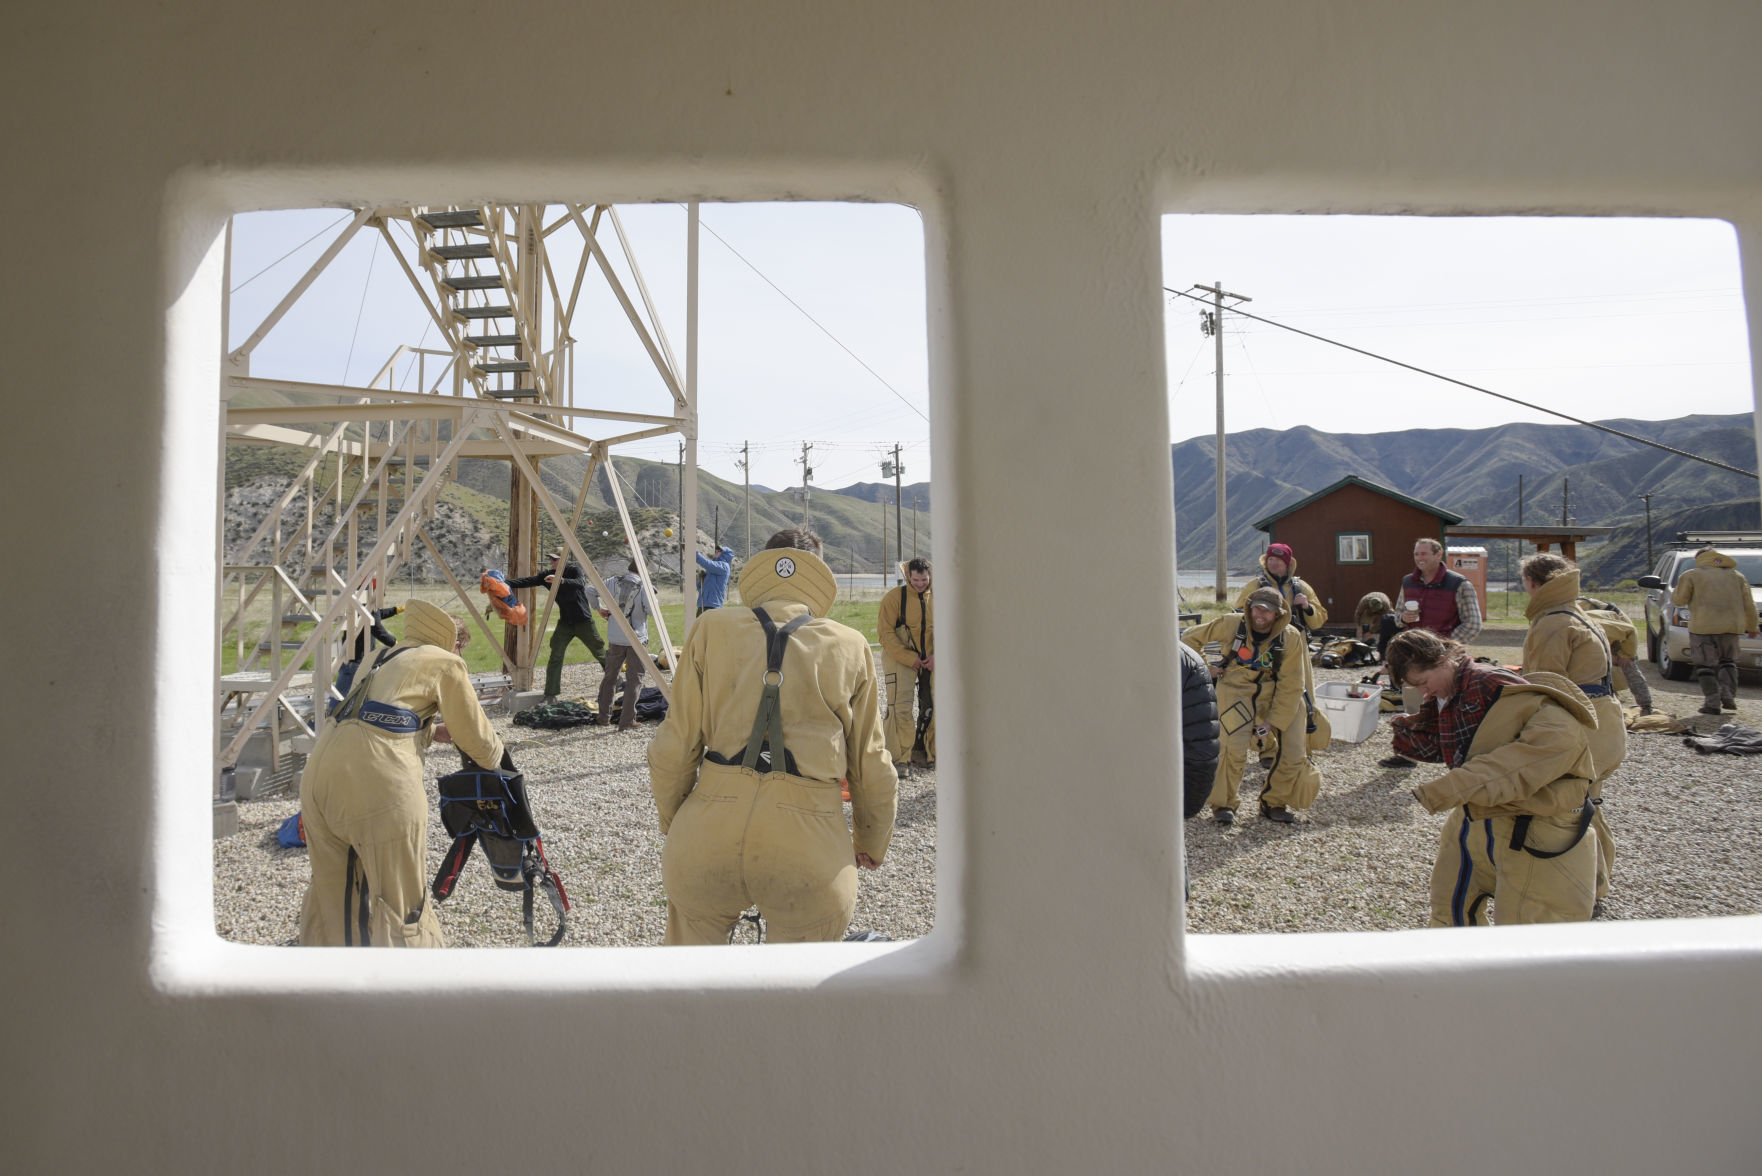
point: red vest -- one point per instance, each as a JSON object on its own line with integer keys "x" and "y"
{"x": 1437, "y": 600}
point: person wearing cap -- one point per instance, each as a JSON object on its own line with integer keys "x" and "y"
{"x": 713, "y": 591}
{"x": 905, "y": 622}
{"x": 361, "y": 794}
{"x": 772, "y": 706}
{"x": 1278, "y": 571}
{"x": 1722, "y": 608}
{"x": 574, "y": 619}
{"x": 633, "y": 604}
{"x": 1259, "y": 691}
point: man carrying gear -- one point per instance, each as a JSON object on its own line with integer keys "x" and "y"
{"x": 1518, "y": 790}
{"x": 1564, "y": 640}
{"x": 773, "y": 704}
{"x": 361, "y": 794}
{"x": 1720, "y": 608}
{"x": 1278, "y": 571}
{"x": 906, "y": 625}
{"x": 574, "y": 619}
{"x": 1259, "y": 691}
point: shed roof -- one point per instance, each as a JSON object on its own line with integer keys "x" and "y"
{"x": 1448, "y": 517}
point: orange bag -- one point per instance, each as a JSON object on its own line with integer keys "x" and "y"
{"x": 495, "y": 586}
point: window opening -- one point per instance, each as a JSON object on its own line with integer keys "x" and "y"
{"x": 417, "y": 395}
{"x": 1381, "y": 380}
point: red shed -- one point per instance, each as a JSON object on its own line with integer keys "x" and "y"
{"x": 1355, "y": 537}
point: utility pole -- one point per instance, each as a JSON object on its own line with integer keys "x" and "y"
{"x": 682, "y": 516}
{"x": 883, "y": 503}
{"x": 1565, "y": 499}
{"x": 807, "y": 476}
{"x": 914, "y": 526}
{"x": 1520, "y": 500}
{"x": 746, "y": 479}
{"x": 893, "y": 469}
{"x": 1214, "y": 326}
{"x": 1647, "y": 499}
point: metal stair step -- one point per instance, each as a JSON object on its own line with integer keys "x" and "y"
{"x": 472, "y": 281}
{"x": 512, "y": 365}
{"x": 464, "y": 218}
{"x": 483, "y": 312}
{"x": 492, "y": 340}
{"x": 511, "y": 393}
{"x": 461, "y": 252}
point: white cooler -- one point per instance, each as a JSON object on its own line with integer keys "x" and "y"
{"x": 1354, "y": 719}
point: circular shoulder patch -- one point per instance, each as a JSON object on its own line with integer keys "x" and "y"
{"x": 786, "y": 567}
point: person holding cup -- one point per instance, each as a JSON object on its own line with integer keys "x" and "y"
{"x": 1437, "y": 600}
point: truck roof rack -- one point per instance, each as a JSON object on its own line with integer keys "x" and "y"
{"x": 1718, "y": 537}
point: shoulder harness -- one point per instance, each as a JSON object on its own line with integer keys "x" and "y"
{"x": 765, "y": 750}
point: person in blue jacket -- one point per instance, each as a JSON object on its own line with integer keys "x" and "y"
{"x": 713, "y": 592}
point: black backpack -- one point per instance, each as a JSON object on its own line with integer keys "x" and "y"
{"x": 478, "y": 805}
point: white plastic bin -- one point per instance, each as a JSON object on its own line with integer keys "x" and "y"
{"x": 1354, "y": 719}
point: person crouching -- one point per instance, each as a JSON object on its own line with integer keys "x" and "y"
{"x": 1259, "y": 690}
{"x": 1518, "y": 790}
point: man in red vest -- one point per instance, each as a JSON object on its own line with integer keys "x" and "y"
{"x": 1435, "y": 598}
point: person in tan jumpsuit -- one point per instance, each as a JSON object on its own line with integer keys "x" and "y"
{"x": 1518, "y": 790}
{"x": 1721, "y": 606}
{"x": 1259, "y": 691}
{"x": 361, "y": 794}
{"x": 748, "y": 822}
{"x": 1306, "y": 613}
{"x": 1564, "y": 640}
{"x": 905, "y": 622}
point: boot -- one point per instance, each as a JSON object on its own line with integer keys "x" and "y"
{"x": 1709, "y": 692}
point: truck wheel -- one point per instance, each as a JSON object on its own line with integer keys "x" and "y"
{"x": 1671, "y": 668}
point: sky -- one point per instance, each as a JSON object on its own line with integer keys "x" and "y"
{"x": 812, "y": 323}
{"x": 1598, "y": 318}
{"x": 828, "y": 346}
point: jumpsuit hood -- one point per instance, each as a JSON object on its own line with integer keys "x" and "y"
{"x": 1707, "y": 557}
{"x": 788, "y": 573}
{"x": 429, "y": 624}
{"x": 1560, "y": 592}
{"x": 1562, "y": 690}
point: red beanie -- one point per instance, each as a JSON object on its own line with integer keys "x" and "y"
{"x": 1282, "y": 551}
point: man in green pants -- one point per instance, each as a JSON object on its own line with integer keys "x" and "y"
{"x": 574, "y": 620}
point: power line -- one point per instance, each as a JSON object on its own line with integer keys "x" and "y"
{"x": 1473, "y": 387}
{"x": 291, "y": 252}
{"x": 823, "y": 330}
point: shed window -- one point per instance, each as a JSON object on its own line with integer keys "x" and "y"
{"x": 1353, "y": 547}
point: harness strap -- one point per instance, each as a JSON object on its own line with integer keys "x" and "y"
{"x": 353, "y": 868}
{"x": 1605, "y": 688}
{"x": 1520, "y": 831}
{"x": 767, "y": 732}
{"x": 379, "y": 715}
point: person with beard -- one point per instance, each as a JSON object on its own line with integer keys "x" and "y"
{"x": 1259, "y": 678}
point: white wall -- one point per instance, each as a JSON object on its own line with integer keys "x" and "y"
{"x": 1056, "y": 1021}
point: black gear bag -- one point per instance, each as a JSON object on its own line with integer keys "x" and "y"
{"x": 478, "y": 805}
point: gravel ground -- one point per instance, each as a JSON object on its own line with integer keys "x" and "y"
{"x": 1688, "y": 829}
{"x": 1688, "y": 832}
{"x": 590, "y": 794}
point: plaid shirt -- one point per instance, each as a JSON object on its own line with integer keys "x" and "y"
{"x": 1441, "y": 734}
